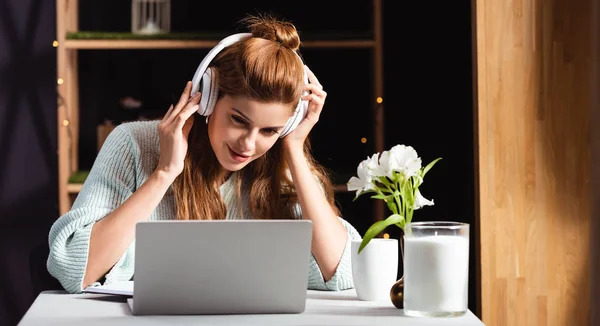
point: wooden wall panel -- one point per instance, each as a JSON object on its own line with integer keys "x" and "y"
{"x": 532, "y": 61}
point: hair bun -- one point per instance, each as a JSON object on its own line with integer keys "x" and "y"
{"x": 270, "y": 28}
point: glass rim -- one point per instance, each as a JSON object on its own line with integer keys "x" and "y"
{"x": 375, "y": 239}
{"x": 437, "y": 224}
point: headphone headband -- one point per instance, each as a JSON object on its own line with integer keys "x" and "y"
{"x": 229, "y": 40}
{"x": 205, "y": 79}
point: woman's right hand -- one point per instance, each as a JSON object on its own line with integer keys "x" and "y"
{"x": 173, "y": 131}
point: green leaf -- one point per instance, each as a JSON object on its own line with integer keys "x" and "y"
{"x": 385, "y": 181}
{"x": 386, "y": 198}
{"x": 362, "y": 193}
{"x": 416, "y": 180}
{"x": 378, "y": 227}
{"x": 398, "y": 177}
{"x": 379, "y": 196}
{"x": 401, "y": 224}
{"x": 429, "y": 166}
{"x": 392, "y": 206}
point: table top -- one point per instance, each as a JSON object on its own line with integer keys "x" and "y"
{"x": 322, "y": 308}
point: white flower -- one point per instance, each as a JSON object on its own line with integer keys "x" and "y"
{"x": 373, "y": 166}
{"x": 421, "y": 201}
{"x": 364, "y": 180}
{"x": 408, "y": 161}
{"x": 387, "y": 164}
{"x": 400, "y": 158}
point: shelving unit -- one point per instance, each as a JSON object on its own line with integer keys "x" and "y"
{"x": 70, "y": 41}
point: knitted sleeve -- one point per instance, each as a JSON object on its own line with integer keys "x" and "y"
{"x": 110, "y": 182}
{"x": 342, "y": 278}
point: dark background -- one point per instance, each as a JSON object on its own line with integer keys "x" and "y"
{"x": 427, "y": 99}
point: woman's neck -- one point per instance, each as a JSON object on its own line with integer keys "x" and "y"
{"x": 224, "y": 175}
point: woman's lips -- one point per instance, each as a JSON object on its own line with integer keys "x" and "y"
{"x": 238, "y": 157}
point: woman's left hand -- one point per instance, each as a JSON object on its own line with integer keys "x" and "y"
{"x": 316, "y": 99}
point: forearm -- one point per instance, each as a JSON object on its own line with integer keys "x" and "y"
{"x": 329, "y": 235}
{"x": 112, "y": 234}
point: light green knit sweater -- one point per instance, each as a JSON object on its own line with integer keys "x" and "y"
{"x": 128, "y": 156}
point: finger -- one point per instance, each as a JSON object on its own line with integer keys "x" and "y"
{"x": 316, "y": 89}
{"x": 180, "y": 107}
{"x": 312, "y": 117}
{"x": 314, "y": 98}
{"x": 186, "y": 114}
{"x": 168, "y": 114}
{"x": 183, "y": 99}
{"x": 185, "y": 95}
{"x": 187, "y": 126}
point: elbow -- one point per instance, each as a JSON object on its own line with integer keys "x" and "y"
{"x": 68, "y": 256}
{"x": 66, "y": 276}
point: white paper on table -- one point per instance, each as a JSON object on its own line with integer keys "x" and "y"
{"x": 118, "y": 288}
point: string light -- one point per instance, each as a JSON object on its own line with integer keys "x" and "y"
{"x": 363, "y": 140}
{"x": 55, "y": 43}
{"x": 65, "y": 122}
{"x": 60, "y": 81}
{"x": 386, "y": 236}
{"x": 380, "y": 100}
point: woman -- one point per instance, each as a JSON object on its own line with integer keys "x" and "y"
{"x": 234, "y": 164}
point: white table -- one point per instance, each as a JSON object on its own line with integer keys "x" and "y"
{"x": 322, "y": 308}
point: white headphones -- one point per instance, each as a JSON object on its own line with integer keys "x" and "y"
{"x": 206, "y": 79}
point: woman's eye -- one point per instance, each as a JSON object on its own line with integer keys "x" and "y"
{"x": 270, "y": 131}
{"x": 237, "y": 119}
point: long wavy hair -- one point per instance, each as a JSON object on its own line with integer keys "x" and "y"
{"x": 263, "y": 68}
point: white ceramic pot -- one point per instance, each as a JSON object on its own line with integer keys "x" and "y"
{"x": 375, "y": 269}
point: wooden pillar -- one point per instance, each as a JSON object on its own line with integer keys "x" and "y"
{"x": 378, "y": 101}
{"x": 68, "y": 100}
{"x": 595, "y": 141}
{"x": 533, "y": 81}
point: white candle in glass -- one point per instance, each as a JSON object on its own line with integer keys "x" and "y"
{"x": 436, "y": 274}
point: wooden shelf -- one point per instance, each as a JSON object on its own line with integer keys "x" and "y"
{"x": 74, "y": 188}
{"x": 118, "y": 40}
{"x": 195, "y": 44}
{"x": 137, "y": 44}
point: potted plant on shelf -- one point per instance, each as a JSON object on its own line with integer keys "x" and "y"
{"x": 394, "y": 177}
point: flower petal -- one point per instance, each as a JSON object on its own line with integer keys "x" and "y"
{"x": 364, "y": 180}
{"x": 421, "y": 201}
{"x": 406, "y": 160}
{"x": 355, "y": 184}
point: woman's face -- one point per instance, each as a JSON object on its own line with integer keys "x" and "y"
{"x": 241, "y": 130}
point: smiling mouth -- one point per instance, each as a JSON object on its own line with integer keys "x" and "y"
{"x": 237, "y": 156}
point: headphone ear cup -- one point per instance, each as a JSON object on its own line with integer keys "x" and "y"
{"x": 300, "y": 112}
{"x": 214, "y": 92}
{"x": 210, "y": 92}
{"x": 293, "y": 122}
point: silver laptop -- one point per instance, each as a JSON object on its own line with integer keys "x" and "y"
{"x": 221, "y": 267}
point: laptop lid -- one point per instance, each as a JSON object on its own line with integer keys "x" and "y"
{"x": 221, "y": 267}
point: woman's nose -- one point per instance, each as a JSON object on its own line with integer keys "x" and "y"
{"x": 248, "y": 140}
